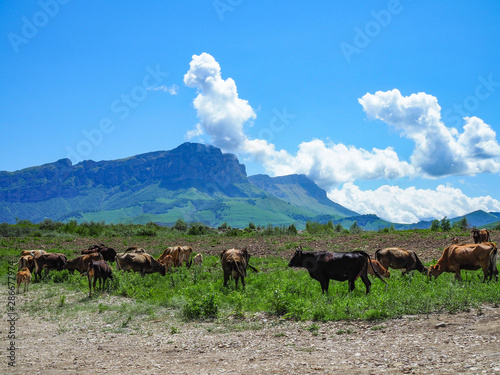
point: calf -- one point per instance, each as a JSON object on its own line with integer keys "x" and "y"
{"x": 198, "y": 259}
{"x": 98, "y": 270}
{"x": 467, "y": 257}
{"x": 23, "y": 277}
{"x": 323, "y": 266}
{"x": 397, "y": 258}
{"x": 376, "y": 266}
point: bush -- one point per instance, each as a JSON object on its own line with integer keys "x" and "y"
{"x": 206, "y": 308}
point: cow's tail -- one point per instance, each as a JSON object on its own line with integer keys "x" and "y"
{"x": 253, "y": 268}
{"x": 493, "y": 262}
{"x": 419, "y": 262}
{"x": 368, "y": 261}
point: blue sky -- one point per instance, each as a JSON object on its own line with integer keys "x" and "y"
{"x": 390, "y": 106}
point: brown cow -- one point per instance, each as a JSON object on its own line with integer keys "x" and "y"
{"x": 26, "y": 261}
{"x": 81, "y": 263}
{"x": 234, "y": 264}
{"x": 482, "y": 235}
{"x": 23, "y": 277}
{"x": 50, "y": 261}
{"x": 139, "y": 262}
{"x": 397, "y": 258}
{"x": 467, "y": 257}
{"x": 98, "y": 270}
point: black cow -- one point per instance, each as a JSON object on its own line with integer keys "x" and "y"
{"x": 324, "y": 266}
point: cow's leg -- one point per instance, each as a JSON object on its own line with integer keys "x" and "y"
{"x": 458, "y": 274}
{"x": 324, "y": 285}
{"x": 226, "y": 278}
{"x": 243, "y": 282}
{"x": 367, "y": 282}
{"x": 90, "y": 285}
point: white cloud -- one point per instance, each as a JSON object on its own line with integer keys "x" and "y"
{"x": 197, "y": 132}
{"x": 439, "y": 150}
{"x": 221, "y": 112}
{"x": 172, "y": 90}
{"x": 329, "y": 164}
{"x": 411, "y": 205}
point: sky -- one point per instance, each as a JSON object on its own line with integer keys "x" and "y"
{"x": 390, "y": 106}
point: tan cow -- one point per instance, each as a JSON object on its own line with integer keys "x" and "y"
{"x": 467, "y": 257}
{"x": 185, "y": 255}
{"x": 23, "y": 277}
{"x": 26, "y": 261}
{"x": 33, "y": 253}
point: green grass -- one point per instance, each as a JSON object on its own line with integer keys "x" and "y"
{"x": 279, "y": 291}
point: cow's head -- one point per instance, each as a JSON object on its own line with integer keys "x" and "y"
{"x": 296, "y": 260}
{"x": 475, "y": 235}
{"x": 434, "y": 271}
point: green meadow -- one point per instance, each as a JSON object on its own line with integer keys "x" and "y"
{"x": 278, "y": 291}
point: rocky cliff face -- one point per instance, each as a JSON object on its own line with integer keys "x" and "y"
{"x": 189, "y": 165}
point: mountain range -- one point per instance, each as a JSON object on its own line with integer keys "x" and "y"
{"x": 193, "y": 182}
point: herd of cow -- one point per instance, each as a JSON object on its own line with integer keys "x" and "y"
{"x": 322, "y": 266}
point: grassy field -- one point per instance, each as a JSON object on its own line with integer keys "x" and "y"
{"x": 276, "y": 291}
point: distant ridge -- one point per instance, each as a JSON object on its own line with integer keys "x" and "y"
{"x": 194, "y": 182}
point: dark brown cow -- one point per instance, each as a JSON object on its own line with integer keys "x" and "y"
{"x": 139, "y": 262}
{"x": 468, "y": 257}
{"x": 49, "y": 262}
{"x": 234, "y": 264}
{"x": 397, "y": 258}
{"x": 480, "y": 235}
{"x": 98, "y": 270}
{"x": 108, "y": 253}
{"x": 81, "y": 263}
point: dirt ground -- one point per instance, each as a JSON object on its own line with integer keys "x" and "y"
{"x": 467, "y": 342}
{"x": 436, "y": 344}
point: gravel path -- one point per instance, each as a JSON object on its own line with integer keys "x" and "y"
{"x": 435, "y": 344}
